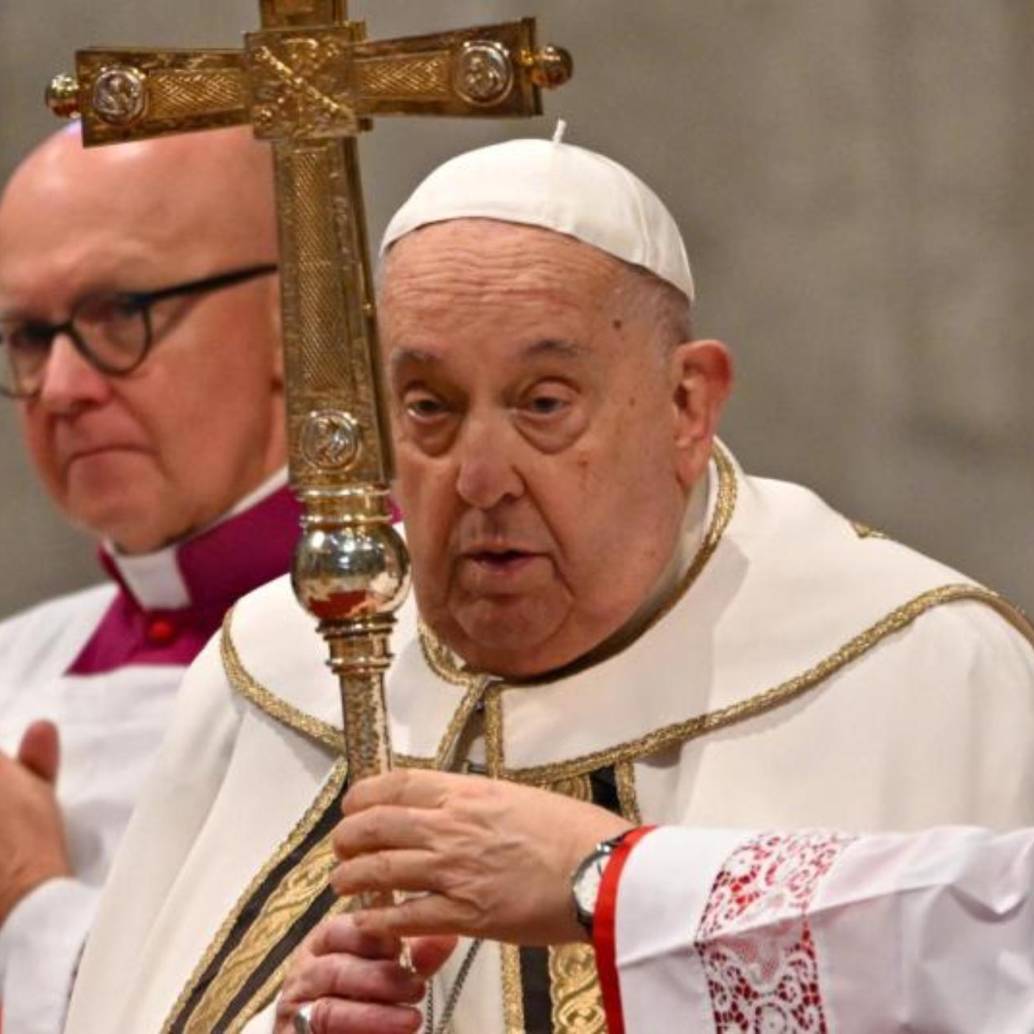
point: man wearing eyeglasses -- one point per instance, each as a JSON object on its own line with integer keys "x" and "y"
{"x": 139, "y": 345}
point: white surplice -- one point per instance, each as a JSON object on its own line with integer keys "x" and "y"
{"x": 112, "y": 707}
{"x": 805, "y": 673}
{"x": 111, "y": 725}
{"x": 814, "y": 931}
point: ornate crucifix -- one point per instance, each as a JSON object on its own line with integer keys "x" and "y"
{"x": 309, "y": 82}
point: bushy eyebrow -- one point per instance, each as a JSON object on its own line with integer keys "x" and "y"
{"x": 555, "y": 347}
{"x": 546, "y": 347}
{"x": 401, "y": 356}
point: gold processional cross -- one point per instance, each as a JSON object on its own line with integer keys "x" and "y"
{"x": 309, "y": 82}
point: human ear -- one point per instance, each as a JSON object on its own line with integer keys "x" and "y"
{"x": 701, "y": 379}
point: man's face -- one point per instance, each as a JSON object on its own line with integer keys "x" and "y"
{"x": 146, "y": 458}
{"x": 536, "y": 422}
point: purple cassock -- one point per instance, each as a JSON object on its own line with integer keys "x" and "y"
{"x": 104, "y": 664}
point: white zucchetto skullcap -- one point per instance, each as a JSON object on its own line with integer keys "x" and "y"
{"x": 559, "y": 187}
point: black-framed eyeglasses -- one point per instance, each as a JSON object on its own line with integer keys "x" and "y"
{"x": 114, "y": 332}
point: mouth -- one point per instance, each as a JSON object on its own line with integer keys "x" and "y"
{"x": 86, "y": 453}
{"x": 499, "y": 559}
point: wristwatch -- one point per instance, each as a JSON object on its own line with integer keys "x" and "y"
{"x": 587, "y": 878}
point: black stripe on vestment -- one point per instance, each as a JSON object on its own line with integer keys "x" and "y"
{"x": 279, "y": 952}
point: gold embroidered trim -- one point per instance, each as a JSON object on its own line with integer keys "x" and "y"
{"x": 447, "y": 666}
{"x": 460, "y": 717}
{"x": 725, "y": 506}
{"x": 864, "y": 531}
{"x": 269, "y": 915}
{"x": 624, "y": 776}
{"x": 495, "y": 755}
{"x": 442, "y": 661}
{"x": 578, "y": 787}
{"x": 412, "y": 761}
{"x": 770, "y": 699}
{"x": 271, "y": 988}
{"x": 242, "y": 682}
{"x": 513, "y": 1000}
{"x": 575, "y": 990}
{"x": 1013, "y": 614}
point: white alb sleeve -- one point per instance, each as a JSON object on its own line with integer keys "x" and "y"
{"x": 812, "y": 930}
{"x": 40, "y": 945}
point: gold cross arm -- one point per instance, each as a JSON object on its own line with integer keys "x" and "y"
{"x": 308, "y": 83}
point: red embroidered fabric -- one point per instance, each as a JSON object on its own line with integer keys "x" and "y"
{"x": 755, "y": 941}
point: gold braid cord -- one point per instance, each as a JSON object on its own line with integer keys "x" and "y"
{"x": 770, "y": 699}
{"x": 269, "y": 703}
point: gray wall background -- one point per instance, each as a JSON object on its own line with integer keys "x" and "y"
{"x": 855, "y": 181}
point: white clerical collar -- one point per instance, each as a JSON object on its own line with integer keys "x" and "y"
{"x": 687, "y": 545}
{"x": 156, "y": 579}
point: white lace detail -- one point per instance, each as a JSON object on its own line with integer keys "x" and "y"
{"x": 755, "y": 940}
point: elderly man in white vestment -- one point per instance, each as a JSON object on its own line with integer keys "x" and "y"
{"x": 611, "y": 620}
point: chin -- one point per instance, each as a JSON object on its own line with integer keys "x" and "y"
{"x": 129, "y": 528}
{"x": 509, "y": 639}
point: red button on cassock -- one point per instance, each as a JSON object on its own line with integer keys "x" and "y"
{"x": 161, "y": 631}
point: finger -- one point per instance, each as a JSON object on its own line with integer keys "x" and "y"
{"x": 429, "y": 954}
{"x": 408, "y": 787}
{"x": 388, "y": 870}
{"x": 335, "y": 1016}
{"x": 430, "y": 914}
{"x": 340, "y": 934}
{"x": 361, "y": 980}
{"x": 40, "y": 750}
{"x": 383, "y": 826}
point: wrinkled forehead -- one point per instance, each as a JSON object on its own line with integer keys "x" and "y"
{"x": 486, "y": 260}
{"x": 485, "y": 299}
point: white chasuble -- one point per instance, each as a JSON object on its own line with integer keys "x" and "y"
{"x": 804, "y": 673}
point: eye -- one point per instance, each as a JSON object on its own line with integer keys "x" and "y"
{"x": 548, "y": 400}
{"x": 108, "y": 308}
{"x": 546, "y": 405}
{"x": 423, "y": 406}
{"x": 29, "y": 337}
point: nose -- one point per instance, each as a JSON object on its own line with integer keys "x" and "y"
{"x": 70, "y": 382}
{"x": 487, "y": 472}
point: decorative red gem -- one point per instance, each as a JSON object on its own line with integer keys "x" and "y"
{"x": 161, "y": 631}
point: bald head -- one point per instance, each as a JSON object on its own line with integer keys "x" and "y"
{"x": 178, "y": 194}
{"x": 147, "y": 458}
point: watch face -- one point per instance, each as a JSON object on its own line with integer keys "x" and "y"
{"x": 587, "y": 884}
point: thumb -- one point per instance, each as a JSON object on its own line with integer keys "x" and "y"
{"x": 429, "y": 953}
{"x": 40, "y": 750}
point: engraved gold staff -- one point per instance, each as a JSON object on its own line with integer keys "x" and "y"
{"x": 309, "y": 82}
